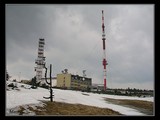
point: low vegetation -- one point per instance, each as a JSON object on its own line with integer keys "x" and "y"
{"x": 145, "y": 107}
{"x": 60, "y": 109}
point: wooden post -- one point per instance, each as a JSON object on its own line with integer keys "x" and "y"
{"x": 49, "y": 83}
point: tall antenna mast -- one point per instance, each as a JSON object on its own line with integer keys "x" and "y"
{"x": 104, "y": 62}
{"x": 40, "y": 61}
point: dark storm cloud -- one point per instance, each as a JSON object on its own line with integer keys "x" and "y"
{"x": 73, "y": 40}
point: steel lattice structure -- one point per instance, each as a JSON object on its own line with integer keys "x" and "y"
{"x": 40, "y": 61}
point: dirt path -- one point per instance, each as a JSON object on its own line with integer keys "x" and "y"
{"x": 145, "y": 107}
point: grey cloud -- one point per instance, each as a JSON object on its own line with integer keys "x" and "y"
{"x": 73, "y": 40}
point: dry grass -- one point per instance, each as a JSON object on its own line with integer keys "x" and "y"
{"x": 143, "y": 106}
{"x": 58, "y": 108}
{"x": 20, "y": 111}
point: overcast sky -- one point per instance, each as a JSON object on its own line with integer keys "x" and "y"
{"x": 73, "y": 37}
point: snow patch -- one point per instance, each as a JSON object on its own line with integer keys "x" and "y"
{"x": 27, "y": 96}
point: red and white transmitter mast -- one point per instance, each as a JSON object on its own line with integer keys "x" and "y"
{"x": 104, "y": 62}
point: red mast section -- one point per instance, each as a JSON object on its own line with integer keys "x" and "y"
{"x": 104, "y": 62}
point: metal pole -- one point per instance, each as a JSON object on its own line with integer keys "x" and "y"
{"x": 51, "y": 83}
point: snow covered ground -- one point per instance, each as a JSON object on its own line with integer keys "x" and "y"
{"x": 23, "y": 96}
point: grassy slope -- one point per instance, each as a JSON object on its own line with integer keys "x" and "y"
{"x": 143, "y": 106}
{"x": 59, "y": 108}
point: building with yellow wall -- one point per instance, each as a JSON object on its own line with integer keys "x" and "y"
{"x": 76, "y": 82}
